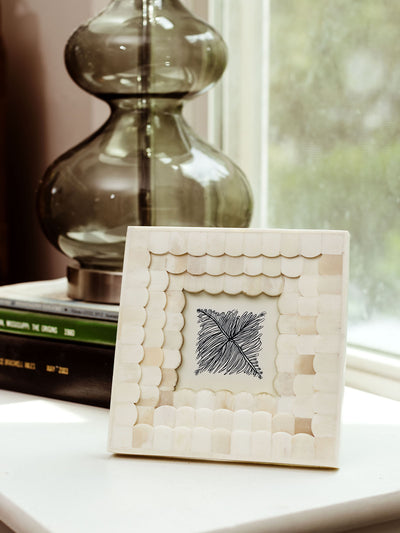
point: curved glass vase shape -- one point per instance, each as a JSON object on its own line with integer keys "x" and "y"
{"x": 145, "y": 165}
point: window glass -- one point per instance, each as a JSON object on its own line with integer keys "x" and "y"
{"x": 334, "y": 143}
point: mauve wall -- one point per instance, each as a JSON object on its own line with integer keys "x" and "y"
{"x": 46, "y": 113}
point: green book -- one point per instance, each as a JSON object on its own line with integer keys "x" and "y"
{"x": 59, "y": 327}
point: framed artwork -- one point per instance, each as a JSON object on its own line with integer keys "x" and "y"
{"x": 231, "y": 345}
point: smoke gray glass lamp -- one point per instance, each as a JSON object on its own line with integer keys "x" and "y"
{"x": 145, "y": 165}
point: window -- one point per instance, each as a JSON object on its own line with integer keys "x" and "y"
{"x": 317, "y": 86}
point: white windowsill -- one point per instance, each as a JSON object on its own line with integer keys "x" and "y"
{"x": 55, "y": 475}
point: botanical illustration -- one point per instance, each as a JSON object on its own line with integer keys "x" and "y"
{"x": 229, "y": 342}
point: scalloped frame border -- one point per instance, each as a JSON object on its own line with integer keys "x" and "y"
{"x": 307, "y": 271}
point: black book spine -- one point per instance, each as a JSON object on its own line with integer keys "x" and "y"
{"x": 63, "y": 370}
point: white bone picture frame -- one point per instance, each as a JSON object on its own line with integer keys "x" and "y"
{"x": 279, "y": 403}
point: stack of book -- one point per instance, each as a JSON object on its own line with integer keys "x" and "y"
{"x": 53, "y": 346}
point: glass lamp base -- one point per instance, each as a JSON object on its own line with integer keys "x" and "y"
{"x": 98, "y": 286}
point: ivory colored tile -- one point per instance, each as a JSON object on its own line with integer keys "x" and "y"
{"x": 166, "y": 397}
{"x": 182, "y": 440}
{"x": 241, "y": 444}
{"x": 243, "y": 400}
{"x": 287, "y": 344}
{"x": 223, "y": 419}
{"x": 253, "y": 285}
{"x": 216, "y": 243}
{"x": 175, "y": 301}
{"x": 330, "y": 284}
{"x": 130, "y": 334}
{"x": 233, "y": 266}
{"x": 128, "y": 353}
{"x": 221, "y": 441}
{"x": 291, "y": 286}
{"x": 331, "y": 265}
{"x": 134, "y": 315}
{"x": 159, "y": 280}
{"x": 177, "y": 264}
{"x": 153, "y": 338}
{"x": 142, "y": 436}
{"x": 172, "y": 340}
{"x": 149, "y": 396}
{"x": 176, "y": 282}
{"x": 308, "y": 286}
{"x": 287, "y": 324}
{"x": 184, "y": 398}
{"x": 262, "y": 421}
{"x": 163, "y": 438}
{"x": 129, "y": 372}
{"x": 290, "y": 244}
{"x": 281, "y": 447}
{"x": 329, "y": 303}
{"x": 329, "y": 343}
{"x": 311, "y": 244}
{"x": 304, "y": 364}
{"x": 172, "y": 359}
{"x": 272, "y": 266}
{"x": 303, "y": 447}
{"x": 145, "y": 415}
{"x": 308, "y": 306}
{"x": 197, "y": 243}
{"x": 156, "y": 319}
{"x": 283, "y": 422}
{"x": 273, "y": 286}
{"x": 196, "y": 265}
{"x": 169, "y": 379}
{"x": 165, "y": 415}
{"x": 153, "y": 357}
{"x": 185, "y": 416}
{"x": 292, "y": 268}
{"x": 271, "y": 244}
{"x": 261, "y": 445}
{"x": 307, "y": 344}
{"x": 138, "y": 258}
{"x": 193, "y": 283}
{"x": 242, "y": 420}
{"x": 326, "y": 403}
{"x": 333, "y": 243}
{"x": 325, "y": 448}
{"x": 303, "y": 407}
{"x": 158, "y": 262}
{"x": 265, "y": 402}
{"x": 253, "y": 244}
{"x": 127, "y": 392}
{"x": 311, "y": 267}
{"x": 285, "y": 363}
{"x": 201, "y": 441}
{"x": 125, "y": 414}
{"x": 159, "y": 242}
{"x": 253, "y": 266}
{"x": 234, "y": 243}
{"x": 329, "y": 324}
{"x": 303, "y": 425}
{"x": 205, "y": 398}
{"x": 214, "y": 266}
{"x": 121, "y": 438}
{"x": 224, "y": 400}
{"x": 178, "y": 242}
{"x": 306, "y": 325}
{"x": 288, "y": 303}
{"x": 204, "y": 418}
{"x": 156, "y": 300}
{"x": 233, "y": 284}
{"x": 328, "y": 382}
{"x": 175, "y": 321}
{"x": 324, "y": 425}
{"x": 214, "y": 284}
{"x": 303, "y": 385}
{"x": 326, "y": 363}
{"x": 285, "y": 404}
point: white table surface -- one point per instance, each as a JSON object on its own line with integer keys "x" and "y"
{"x": 56, "y": 475}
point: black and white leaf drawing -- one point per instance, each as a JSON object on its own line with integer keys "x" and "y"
{"x": 229, "y": 343}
